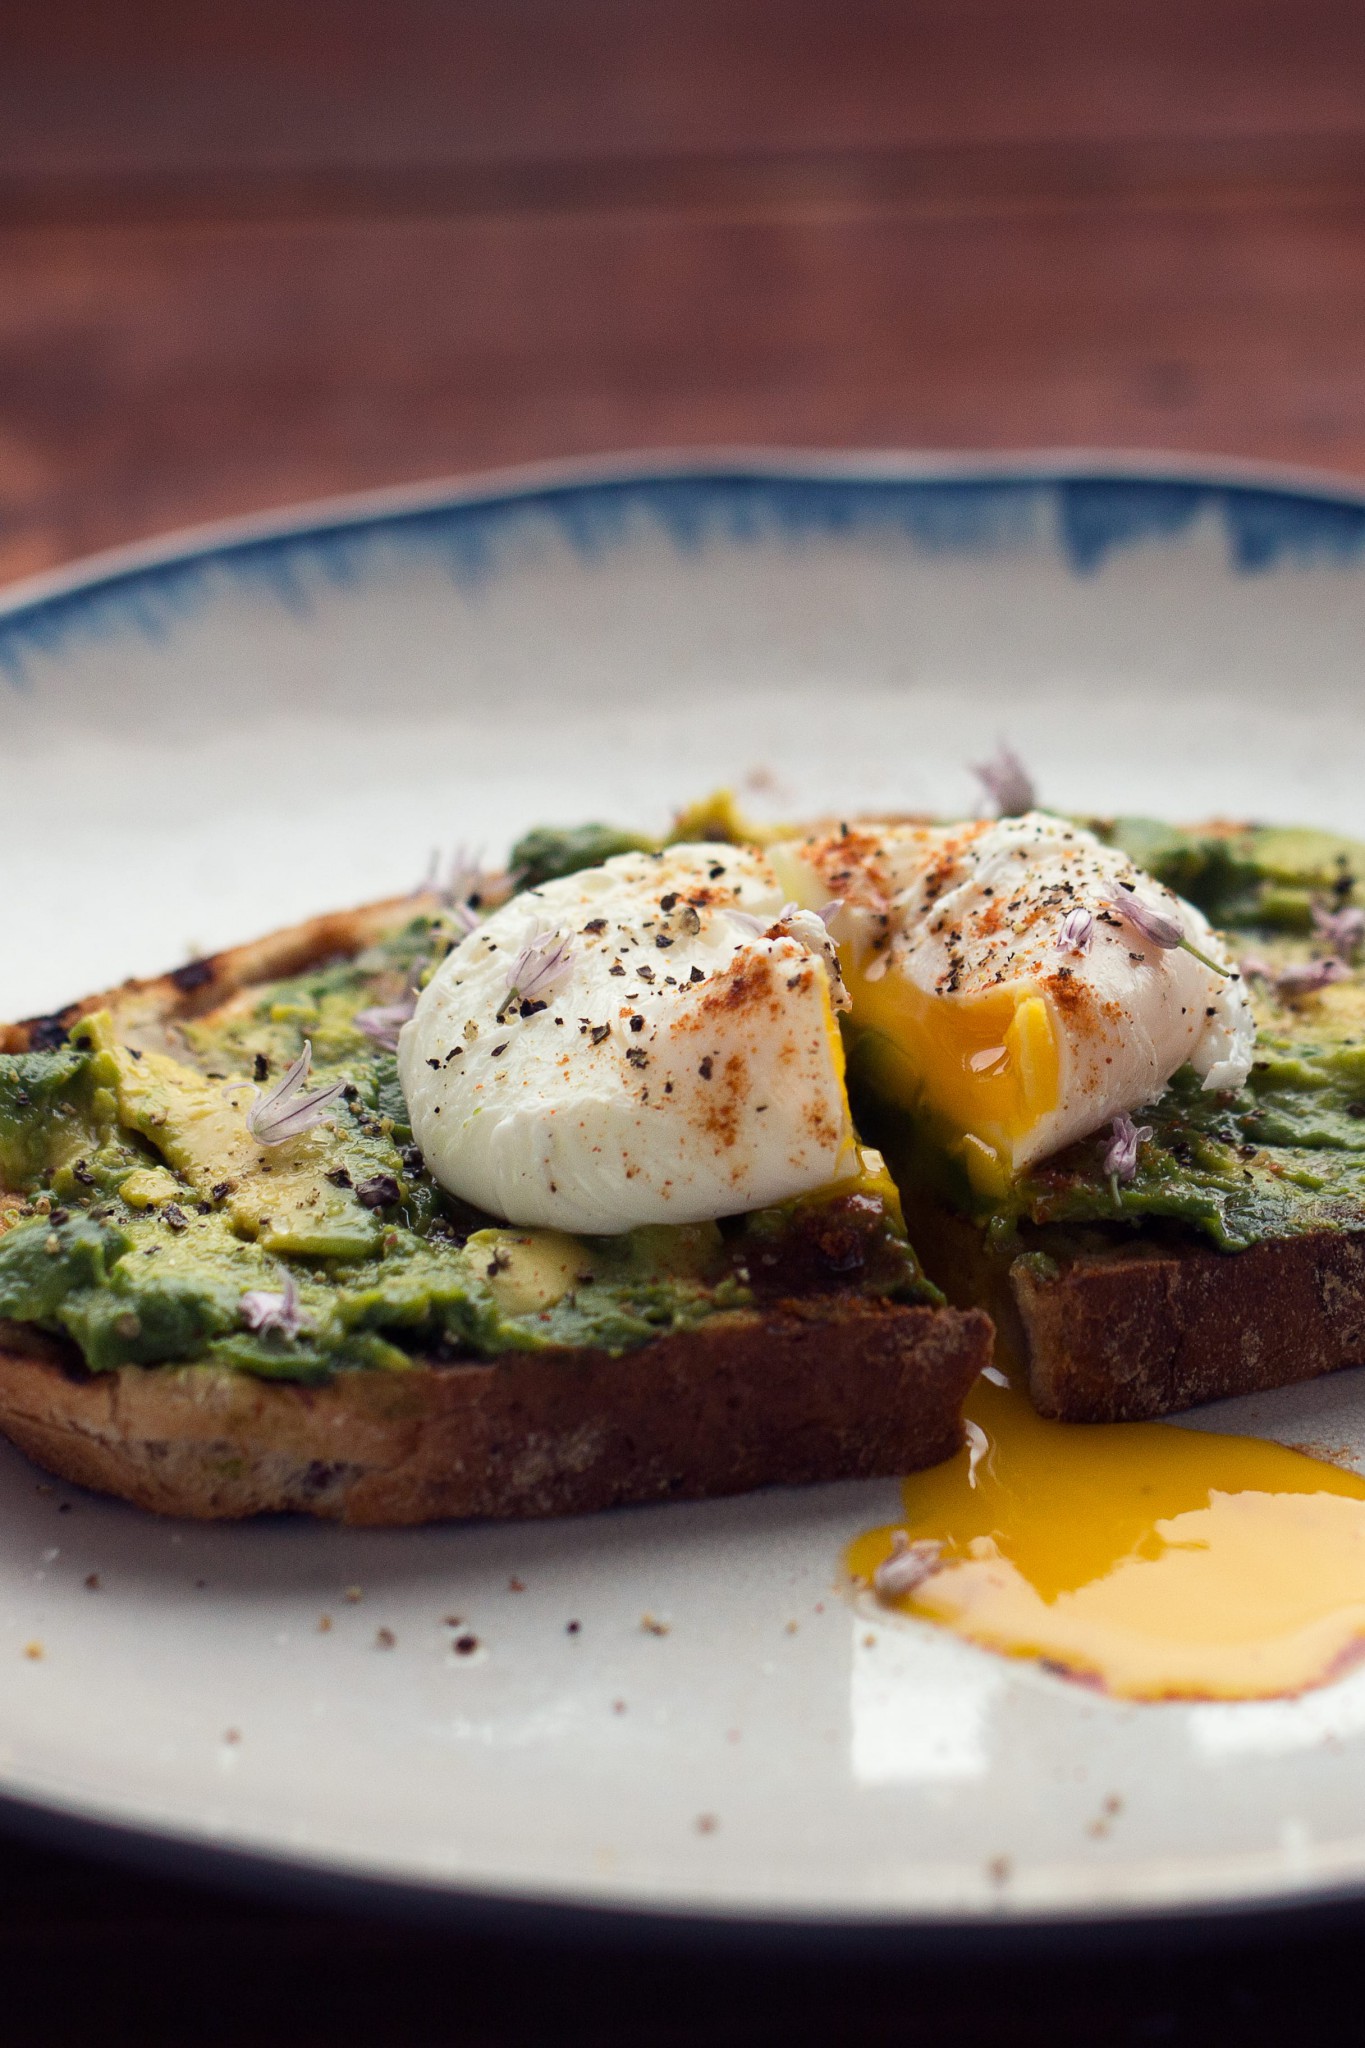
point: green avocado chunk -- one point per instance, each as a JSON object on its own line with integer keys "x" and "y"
{"x": 140, "y": 1218}
{"x": 553, "y": 850}
{"x": 1246, "y": 876}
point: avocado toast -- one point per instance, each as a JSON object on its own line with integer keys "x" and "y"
{"x": 1227, "y": 1255}
{"x": 233, "y": 1283}
{"x": 210, "y": 1325}
{"x": 1232, "y": 1258}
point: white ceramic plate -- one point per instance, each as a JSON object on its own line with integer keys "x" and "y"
{"x": 204, "y": 740}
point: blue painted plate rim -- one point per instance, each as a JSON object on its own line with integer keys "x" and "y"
{"x": 394, "y": 505}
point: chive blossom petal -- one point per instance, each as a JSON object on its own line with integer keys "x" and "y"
{"x": 1342, "y": 930}
{"x": 1125, "y": 1137}
{"x": 542, "y": 966}
{"x": 1308, "y": 977}
{"x": 1077, "y": 934}
{"x": 908, "y": 1566}
{"x": 264, "y": 1311}
{"x": 1156, "y": 926}
{"x": 384, "y": 1021}
{"x": 468, "y": 888}
{"x": 284, "y": 1112}
{"x": 1006, "y": 782}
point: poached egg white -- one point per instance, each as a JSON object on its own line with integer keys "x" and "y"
{"x": 650, "y": 1041}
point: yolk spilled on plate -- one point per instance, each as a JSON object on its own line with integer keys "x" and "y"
{"x": 1155, "y": 1561}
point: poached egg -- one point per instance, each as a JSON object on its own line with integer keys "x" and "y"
{"x": 1016, "y": 1000}
{"x": 650, "y": 1041}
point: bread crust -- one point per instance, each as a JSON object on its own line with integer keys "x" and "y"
{"x": 1148, "y": 1329}
{"x": 146, "y": 1009}
{"x": 822, "y": 1389}
{"x": 830, "y": 1386}
{"x": 1145, "y": 1327}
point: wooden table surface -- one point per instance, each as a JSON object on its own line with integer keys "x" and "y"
{"x": 251, "y": 253}
{"x": 260, "y": 252}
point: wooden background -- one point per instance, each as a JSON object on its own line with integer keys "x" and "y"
{"x": 257, "y": 252}
{"x": 250, "y": 253}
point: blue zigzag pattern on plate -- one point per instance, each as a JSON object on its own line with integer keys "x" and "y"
{"x": 1264, "y": 528}
{"x": 1085, "y": 518}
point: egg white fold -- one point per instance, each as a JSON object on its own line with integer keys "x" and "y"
{"x": 681, "y": 1062}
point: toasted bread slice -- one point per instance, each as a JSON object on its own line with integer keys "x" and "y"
{"x": 144, "y": 1008}
{"x": 829, "y": 1386}
{"x": 822, "y": 1389}
{"x": 1150, "y": 1328}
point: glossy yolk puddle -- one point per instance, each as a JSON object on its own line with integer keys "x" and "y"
{"x": 1157, "y": 1562}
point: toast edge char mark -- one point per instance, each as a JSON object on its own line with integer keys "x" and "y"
{"x": 814, "y": 1389}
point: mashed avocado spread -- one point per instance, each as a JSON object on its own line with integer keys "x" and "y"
{"x": 139, "y": 1213}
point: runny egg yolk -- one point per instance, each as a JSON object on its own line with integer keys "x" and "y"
{"x": 1154, "y": 1561}
{"x": 1010, "y": 1002}
{"x": 986, "y": 1069}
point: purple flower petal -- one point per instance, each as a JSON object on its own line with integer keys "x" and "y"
{"x": 1306, "y": 977}
{"x": 263, "y": 1310}
{"x": 1006, "y": 782}
{"x": 384, "y": 1021}
{"x": 541, "y": 966}
{"x": 1300, "y": 978}
{"x": 1077, "y": 934}
{"x": 1158, "y": 927}
{"x": 1125, "y": 1137}
{"x": 1342, "y": 930}
{"x": 284, "y": 1112}
{"x": 908, "y": 1566}
{"x": 468, "y": 887}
